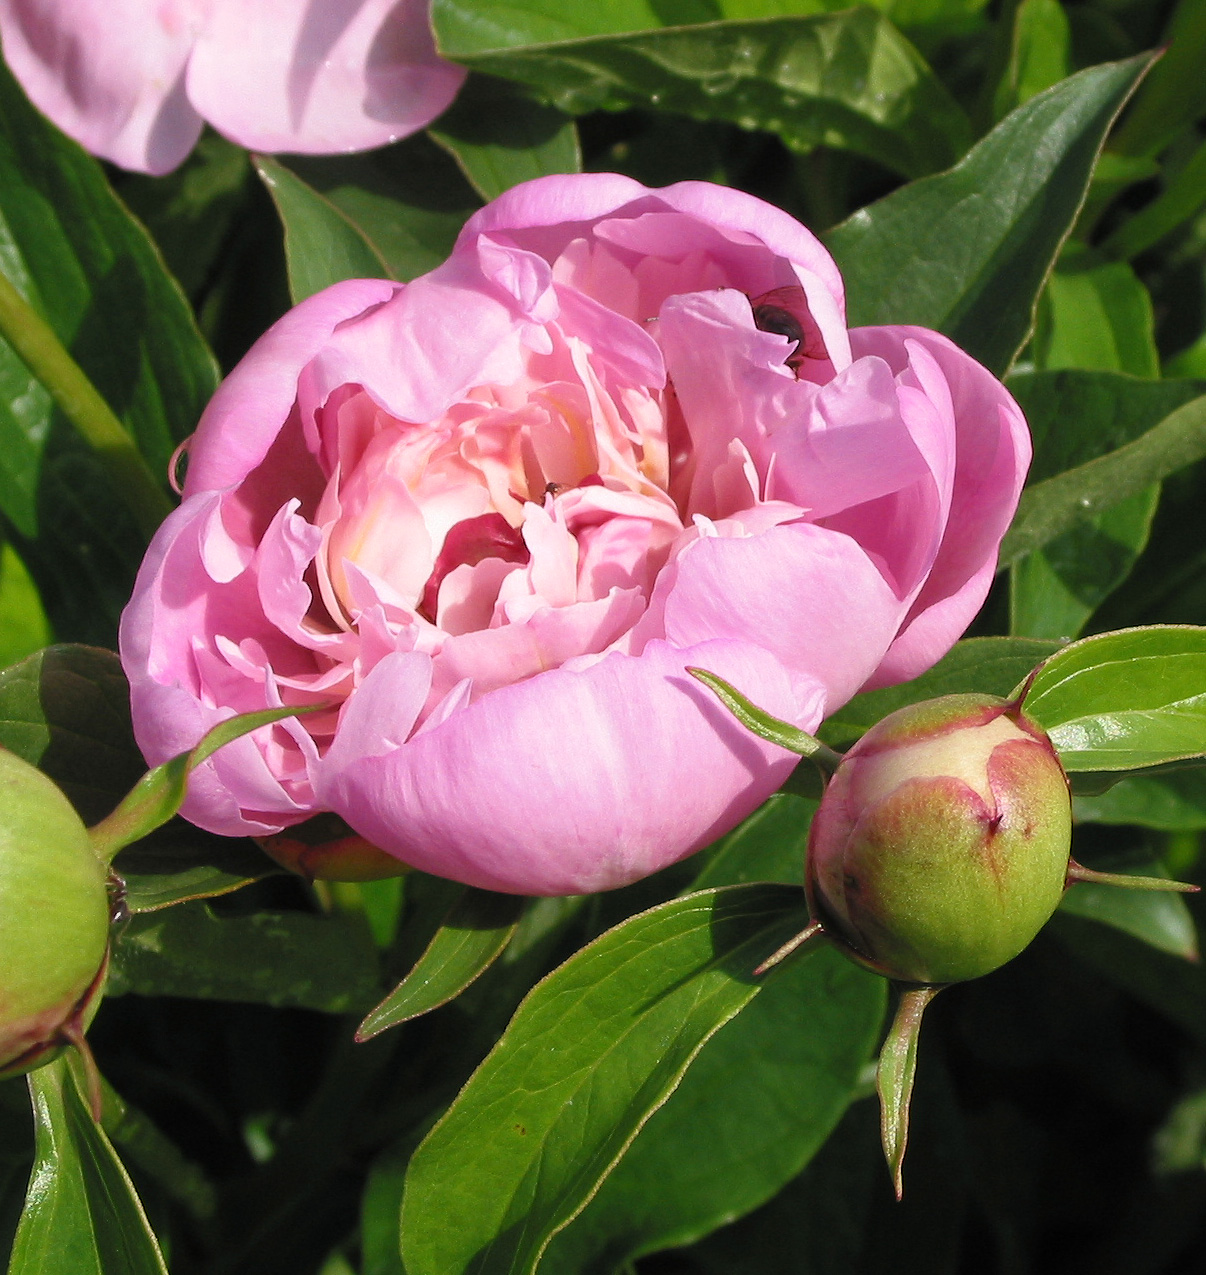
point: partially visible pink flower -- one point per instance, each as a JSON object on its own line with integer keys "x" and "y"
{"x": 491, "y": 517}
{"x": 134, "y": 80}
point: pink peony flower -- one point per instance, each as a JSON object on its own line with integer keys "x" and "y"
{"x": 133, "y": 80}
{"x": 491, "y": 516}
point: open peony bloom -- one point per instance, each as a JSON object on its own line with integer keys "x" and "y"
{"x": 489, "y": 517}
{"x": 133, "y": 80}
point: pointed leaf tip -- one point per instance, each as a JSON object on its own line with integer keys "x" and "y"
{"x": 764, "y": 725}
{"x": 894, "y": 1077}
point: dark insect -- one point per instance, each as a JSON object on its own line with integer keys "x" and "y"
{"x": 772, "y": 315}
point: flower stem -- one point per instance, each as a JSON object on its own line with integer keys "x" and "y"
{"x": 78, "y": 399}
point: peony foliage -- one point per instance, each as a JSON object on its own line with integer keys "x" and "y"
{"x": 564, "y": 571}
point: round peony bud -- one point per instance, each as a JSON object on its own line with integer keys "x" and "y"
{"x": 54, "y": 916}
{"x": 941, "y": 846}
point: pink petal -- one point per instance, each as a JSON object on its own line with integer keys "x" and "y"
{"x": 109, "y": 73}
{"x": 253, "y": 403}
{"x": 342, "y": 75}
{"x": 810, "y": 596}
{"x": 573, "y": 781}
{"x": 992, "y": 456}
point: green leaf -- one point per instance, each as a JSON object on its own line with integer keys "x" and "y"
{"x": 1056, "y": 505}
{"x": 1054, "y": 590}
{"x": 500, "y": 137}
{"x": 1160, "y": 919}
{"x": 1125, "y": 700}
{"x": 847, "y": 80}
{"x": 968, "y": 251}
{"x": 161, "y": 791}
{"x": 751, "y": 1111}
{"x": 1182, "y": 198}
{"x": 92, "y": 271}
{"x": 897, "y": 1069}
{"x": 768, "y": 846}
{"x": 323, "y": 245}
{"x": 1075, "y": 417}
{"x": 23, "y": 624}
{"x": 591, "y": 1053}
{"x": 66, "y": 710}
{"x": 289, "y": 959}
{"x": 472, "y": 937}
{"x": 408, "y": 201}
{"x": 1096, "y": 316}
{"x": 76, "y": 255}
{"x": 1038, "y": 57}
{"x": 82, "y": 1216}
{"x": 1172, "y": 801}
{"x": 992, "y": 666}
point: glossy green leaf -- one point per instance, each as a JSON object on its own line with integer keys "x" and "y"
{"x": 472, "y": 937}
{"x": 968, "y": 251}
{"x": 592, "y": 1052}
{"x": 267, "y": 958}
{"x": 408, "y": 201}
{"x": 1055, "y": 506}
{"x": 81, "y": 261}
{"x": 91, "y": 270}
{"x": 847, "y": 80}
{"x": 1176, "y": 93}
{"x": 24, "y": 628}
{"x": 1038, "y": 55}
{"x": 768, "y": 846}
{"x": 1097, "y": 317}
{"x": 500, "y": 137}
{"x": 161, "y": 791}
{"x": 1160, "y": 919}
{"x": 751, "y": 1111}
{"x": 1172, "y": 801}
{"x": 323, "y": 245}
{"x": 992, "y": 666}
{"x": 1125, "y": 700}
{"x": 66, "y": 710}
{"x": 82, "y": 1215}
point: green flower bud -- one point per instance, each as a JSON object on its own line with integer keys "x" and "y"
{"x": 941, "y": 846}
{"x": 54, "y": 917}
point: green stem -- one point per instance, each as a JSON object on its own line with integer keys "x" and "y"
{"x": 77, "y": 398}
{"x": 1078, "y": 872}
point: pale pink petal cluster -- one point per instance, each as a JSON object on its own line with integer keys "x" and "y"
{"x": 134, "y": 80}
{"x": 489, "y": 518}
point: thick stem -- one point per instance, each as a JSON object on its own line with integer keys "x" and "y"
{"x": 78, "y": 399}
{"x": 894, "y": 1077}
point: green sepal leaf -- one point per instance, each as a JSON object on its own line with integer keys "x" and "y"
{"x": 477, "y": 929}
{"x": 323, "y": 245}
{"x": 847, "y": 80}
{"x": 592, "y": 1052}
{"x": 82, "y": 1215}
{"x": 1124, "y": 700}
{"x": 982, "y": 238}
{"x": 763, "y": 724}
{"x": 1057, "y": 505}
{"x": 161, "y": 792}
{"x": 895, "y": 1074}
{"x": 500, "y": 137}
{"x": 285, "y": 959}
{"x": 1160, "y": 918}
